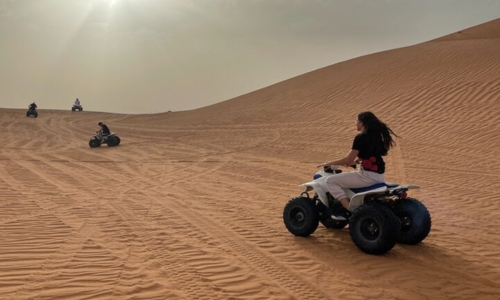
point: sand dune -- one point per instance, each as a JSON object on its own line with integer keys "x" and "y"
{"x": 189, "y": 206}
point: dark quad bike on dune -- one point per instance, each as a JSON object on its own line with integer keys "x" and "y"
{"x": 77, "y": 107}
{"x": 381, "y": 215}
{"x": 111, "y": 140}
{"x": 32, "y": 112}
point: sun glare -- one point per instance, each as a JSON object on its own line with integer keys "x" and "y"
{"x": 109, "y": 3}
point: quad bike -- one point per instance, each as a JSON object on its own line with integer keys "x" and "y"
{"x": 77, "y": 107}
{"x": 32, "y": 112}
{"x": 381, "y": 215}
{"x": 111, "y": 140}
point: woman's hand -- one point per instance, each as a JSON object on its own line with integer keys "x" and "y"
{"x": 323, "y": 165}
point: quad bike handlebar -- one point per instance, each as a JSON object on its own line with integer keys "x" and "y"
{"x": 335, "y": 168}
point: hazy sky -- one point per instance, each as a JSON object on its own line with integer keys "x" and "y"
{"x": 147, "y": 56}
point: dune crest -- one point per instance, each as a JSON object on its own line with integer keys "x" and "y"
{"x": 189, "y": 206}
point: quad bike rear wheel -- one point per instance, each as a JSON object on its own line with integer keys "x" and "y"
{"x": 32, "y": 113}
{"x": 113, "y": 141}
{"x": 374, "y": 228}
{"x": 415, "y": 221}
{"x": 300, "y": 216}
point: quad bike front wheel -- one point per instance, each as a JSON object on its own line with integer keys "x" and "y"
{"x": 301, "y": 216}
{"x": 415, "y": 221}
{"x": 94, "y": 143}
{"x": 374, "y": 228}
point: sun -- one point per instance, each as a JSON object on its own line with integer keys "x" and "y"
{"x": 109, "y": 3}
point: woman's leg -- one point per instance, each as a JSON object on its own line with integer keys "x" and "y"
{"x": 335, "y": 183}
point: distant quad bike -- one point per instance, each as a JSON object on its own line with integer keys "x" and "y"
{"x": 32, "y": 112}
{"x": 111, "y": 140}
{"x": 77, "y": 107}
{"x": 381, "y": 215}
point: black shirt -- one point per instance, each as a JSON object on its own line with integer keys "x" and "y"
{"x": 371, "y": 161}
{"x": 105, "y": 129}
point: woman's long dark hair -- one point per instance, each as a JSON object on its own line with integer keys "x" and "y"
{"x": 378, "y": 132}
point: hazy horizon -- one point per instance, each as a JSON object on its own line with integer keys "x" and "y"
{"x": 149, "y": 56}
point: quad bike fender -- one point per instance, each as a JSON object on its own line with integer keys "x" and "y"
{"x": 358, "y": 199}
{"x": 320, "y": 174}
{"x": 317, "y": 185}
{"x": 409, "y": 186}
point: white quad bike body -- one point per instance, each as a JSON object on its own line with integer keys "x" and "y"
{"x": 356, "y": 196}
{"x": 380, "y": 215}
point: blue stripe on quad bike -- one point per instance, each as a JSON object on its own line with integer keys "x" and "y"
{"x": 371, "y": 187}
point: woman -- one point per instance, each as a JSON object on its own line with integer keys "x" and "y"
{"x": 368, "y": 147}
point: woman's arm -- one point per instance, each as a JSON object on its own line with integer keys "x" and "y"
{"x": 346, "y": 161}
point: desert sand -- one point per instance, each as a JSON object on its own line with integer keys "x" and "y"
{"x": 190, "y": 205}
